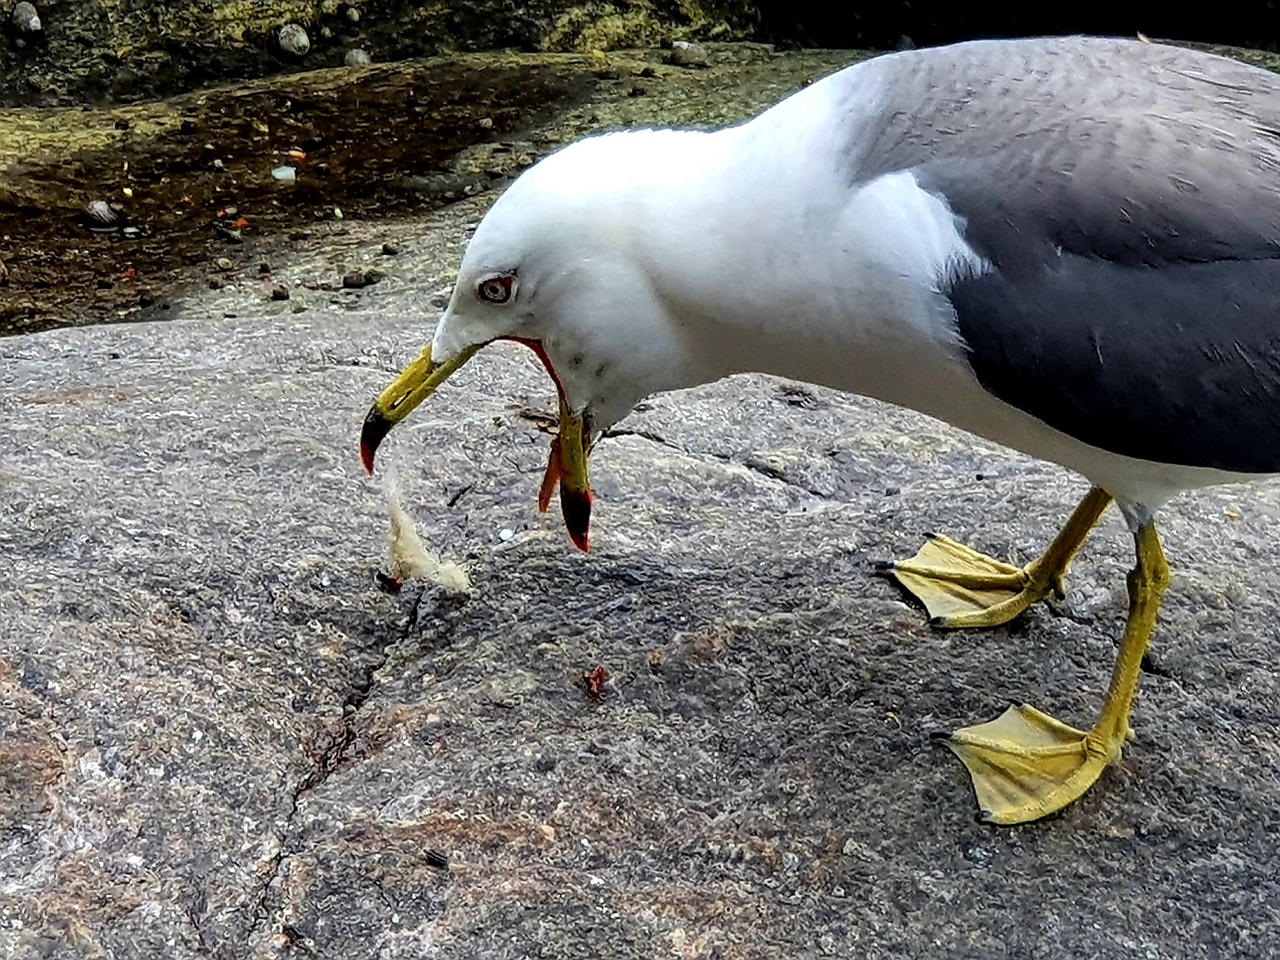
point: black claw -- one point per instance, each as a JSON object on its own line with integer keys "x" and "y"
{"x": 938, "y": 623}
{"x": 939, "y": 736}
{"x": 882, "y": 566}
{"x": 985, "y": 816}
{"x": 932, "y": 536}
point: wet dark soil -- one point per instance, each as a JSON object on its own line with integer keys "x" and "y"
{"x": 189, "y": 181}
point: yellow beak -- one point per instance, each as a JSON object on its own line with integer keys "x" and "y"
{"x": 567, "y": 466}
{"x": 416, "y": 382}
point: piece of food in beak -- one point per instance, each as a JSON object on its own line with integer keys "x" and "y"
{"x": 416, "y": 382}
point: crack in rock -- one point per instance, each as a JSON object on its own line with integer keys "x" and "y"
{"x": 193, "y": 918}
{"x": 754, "y": 464}
{"x": 757, "y": 465}
{"x": 331, "y": 756}
{"x": 336, "y": 750}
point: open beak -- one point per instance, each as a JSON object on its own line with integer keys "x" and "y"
{"x": 416, "y": 382}
{"x": 566, "y": 467}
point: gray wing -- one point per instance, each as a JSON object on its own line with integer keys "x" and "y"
{"x": 1128, "y": 198}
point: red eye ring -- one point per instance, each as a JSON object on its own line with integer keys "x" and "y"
{"x": 498, "y": 288}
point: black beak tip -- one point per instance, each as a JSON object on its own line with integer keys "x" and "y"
{"x": 375, "y": 428}
{"x": 576, "y": 507}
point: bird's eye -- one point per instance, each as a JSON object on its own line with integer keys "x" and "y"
{"x": 497, "y": 289}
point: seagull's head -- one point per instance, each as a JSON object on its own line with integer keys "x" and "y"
{"x": 561, "y": 264}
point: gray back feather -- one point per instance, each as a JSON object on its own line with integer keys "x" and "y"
{"x": 1128, "y": 196}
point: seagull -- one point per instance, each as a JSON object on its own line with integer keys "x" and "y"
{"x": 1069, "y": 246}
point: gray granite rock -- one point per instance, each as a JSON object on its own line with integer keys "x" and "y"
{"x": 219, "y": 738}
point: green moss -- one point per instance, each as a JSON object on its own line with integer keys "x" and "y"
{"x": 203, "y": 22}
{"x": 609, "y": 26}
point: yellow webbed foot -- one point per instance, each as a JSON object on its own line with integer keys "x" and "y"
{"x": 1026, "y": 765}
{"x": 961, "y": 587}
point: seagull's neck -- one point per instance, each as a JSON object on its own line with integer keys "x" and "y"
{"x": 774, "y": 264}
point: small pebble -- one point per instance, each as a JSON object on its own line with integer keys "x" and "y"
{"x": 285, "y": 174}
{"x": 26, "y": 19}
{"x": 216, "y": 283}
{"x": 218, "y": 164}
{"x": 357, "y": 58}
{"x": 360, "y": 278}
{"x": 353, "y": 14}
{"x": 279, "y": 292}
{"x": 264, "y": 267}
{"x": 293, "y": 40}
{"x": 222, "y": 263}
{"x": 128, "y": 193}
{"x": 486, "y": 123}
{"x": 390, "y": 250}
{"x": 686, "y": 54}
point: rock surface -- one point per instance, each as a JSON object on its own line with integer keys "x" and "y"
{"x": 219, "y": 738}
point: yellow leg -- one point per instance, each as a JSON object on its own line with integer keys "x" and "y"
{"x": 1026, "y": 765}
{"x": 963, "y": 588}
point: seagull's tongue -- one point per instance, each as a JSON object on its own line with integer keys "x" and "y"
{"x": 550, "y": 479}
